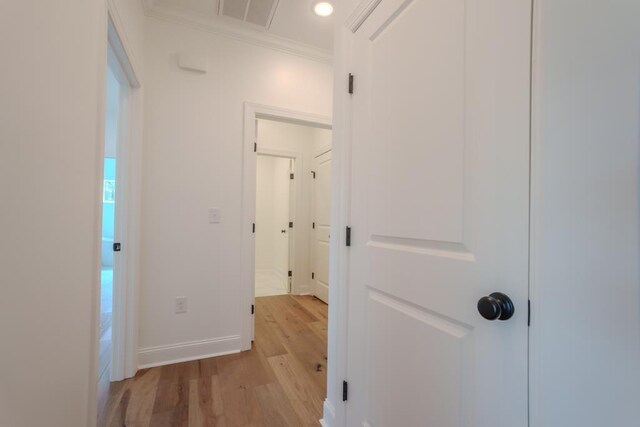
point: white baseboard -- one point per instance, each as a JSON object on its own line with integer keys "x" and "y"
{"x": 322, "y": 292}
{"x": 184, "y": 352}
{"x": 328, "y": 415}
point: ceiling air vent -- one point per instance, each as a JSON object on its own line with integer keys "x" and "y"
{"x": 257, "y": 12}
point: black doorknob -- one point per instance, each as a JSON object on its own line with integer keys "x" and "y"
{"x": 496, "y": 306}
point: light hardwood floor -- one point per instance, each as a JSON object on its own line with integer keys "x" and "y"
{"x": 280, "y": 382}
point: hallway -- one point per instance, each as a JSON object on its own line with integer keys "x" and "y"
{"x": 280, "y": 382}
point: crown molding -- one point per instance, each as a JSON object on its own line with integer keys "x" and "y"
{"x": 361, "y": 13}
{"x": 254, "y": 37}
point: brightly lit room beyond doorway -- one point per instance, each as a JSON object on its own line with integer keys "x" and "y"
{"x": 293, "y": 181}
{"x": 108, "y": 224}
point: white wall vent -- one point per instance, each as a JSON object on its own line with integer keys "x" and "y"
{"x": 257, "y": 12}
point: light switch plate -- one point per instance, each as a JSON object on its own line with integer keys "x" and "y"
{"x": 214, "y": 215}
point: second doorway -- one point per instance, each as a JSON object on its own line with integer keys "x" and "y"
{"x": 293, "y": 202}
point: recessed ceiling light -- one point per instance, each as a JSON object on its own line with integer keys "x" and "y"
{"x": 323, "y": 8}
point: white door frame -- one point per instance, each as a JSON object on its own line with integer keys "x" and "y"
{"x": 119, "y": 57}
{"x": 324, "y": 149}
{"x": 295, "y": 191}
{"x": 252, "y": 112}
{"x": 124, "y": 340}
{"x": 334, "y": 409}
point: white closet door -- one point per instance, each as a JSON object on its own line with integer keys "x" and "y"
{"x": 321, "y": 215}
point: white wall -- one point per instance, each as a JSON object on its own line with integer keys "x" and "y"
{"x": 193, "y": 161}
{"x": 585, "y": 235}
{"x": 321, "y": 140}
{"x": 51, "y": 149}
{"x": 53, "y": 78}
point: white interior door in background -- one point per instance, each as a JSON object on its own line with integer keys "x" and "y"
{"x": 273, "y": 205}
{"x": 321, "y": 205}
{"x": 439, "y": 214}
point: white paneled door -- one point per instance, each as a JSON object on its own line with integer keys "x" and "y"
{"x": 439, "y": 215}
{"x": 321, "y": 206}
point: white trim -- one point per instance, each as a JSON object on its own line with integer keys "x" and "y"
{"x": 321, "y": 291}
{"x": 329, "y": 413}
{"x": 335, "y": 409}
{"x": 361, "y": 13}
{"x": 217, "y": 26}
{"x": 151, "y": 357}
{"x": 252, "y": 112}
{"x": 324, "y": 148}
{"x": 123, "y": 346}
{"x": 121, "y": 221}
{"x": 112, "y": 34}
{"x": 117, "y": 37}
{"x": 535, "y": 235}
{"x": 124, "y": 343}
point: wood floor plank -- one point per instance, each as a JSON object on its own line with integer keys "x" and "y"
{"x": 110, "y": 410}
{"x": 281, "y": 381}
{"x": 295, "y": 381}
{"x": 268, "y": 335}
{"x": 205, "y": 403}
{"x": 171, "y": 407}
{"x": 142, "y": 399}
{"x": 276, "y": 408}
{"x": 320, "y": 329}
{"x": 315, "y": 306}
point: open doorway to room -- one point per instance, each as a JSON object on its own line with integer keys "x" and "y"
{"x": 275, "y": 205}
{"x": 292, "y": 209}
{"x": 119, "y": 229}
{"x": 108, "y": 226}
{"x": 112, "y": 311}
{"x": 291, "y": 242}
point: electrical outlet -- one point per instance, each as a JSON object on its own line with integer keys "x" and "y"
{"x": 181, "y": 304}
{"x": 214, "y": 215}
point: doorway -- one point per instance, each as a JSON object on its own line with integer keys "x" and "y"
{"x": 114, "y": 92}
{"x": 275, "y": 204}
{"x": 292, "y": 162}
{"x": 292, "y": 209}
{"x": 119, "y": 192}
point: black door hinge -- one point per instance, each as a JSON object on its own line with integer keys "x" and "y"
{"x": 254, "y": 227}
{"x": 314, "y": 174}
{"x": 350, "y": 83}
{"x": 290, "y": 273}
{"x": 345, "y": 391}
{"x": 348, "y": 237}
{"x": 253, "y": 309}
{"x": 313, "y": 225}
{"x": 290, "y": 176}
{"x": 313, "y": 275}
{"x": 117, "y": 247}
{"x": 255, "y": 147}
{"x": 290, "y": 224}
{"x": 529, "y": 313}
